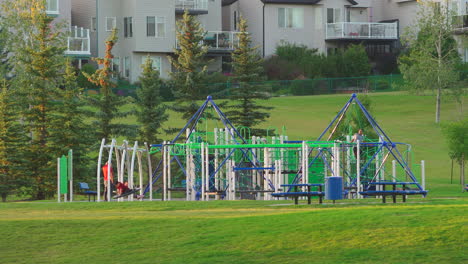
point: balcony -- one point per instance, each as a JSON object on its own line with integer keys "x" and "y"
{"x": 461, "y": 24}
{"x": 220, "y": 41}
{"x": 78, "y": 43}
{"x": 361, "y": 31}
{"x": 195, "y": 7}
{"x": 52, "y": 7}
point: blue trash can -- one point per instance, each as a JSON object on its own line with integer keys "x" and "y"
{"x": 334, "y": 188}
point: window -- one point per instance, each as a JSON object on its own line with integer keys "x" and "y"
{"x": 93, "y": 24}
{"x": 156, "y": 62}
{"x": 334, "y": 15}
{"x": 111, "y": 23}
{"x": 52, "y": 6}
{"x": 116, "y": 66}
{"x": 156, "y": 26}
{"x": 290, "y": 17}
{"x": 126, "y": 65}
{"x": 161, "y": 27}
{"x": 235, "y": 20}
{"x": 150, "y": 26}
{"x": 128, "y": 27}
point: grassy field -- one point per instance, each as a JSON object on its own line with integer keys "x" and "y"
{"x": 421, "y": 231}
{"x": 404, "y": 118}
{"x": 430, "y": 230}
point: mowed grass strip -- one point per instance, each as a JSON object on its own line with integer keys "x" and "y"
{"x": 430, "y": 231}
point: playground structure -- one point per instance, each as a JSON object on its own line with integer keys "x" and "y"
{"x": 230, "y": 164}
{"x": 125, "y": 157}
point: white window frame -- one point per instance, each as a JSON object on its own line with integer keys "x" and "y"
{"x": 114, "y": 23}
{"x": 157, "y": 20}
{"x": 157, "y": 62}
{"x": 52, "y": 12}
{"x": 287, "y": 18}
{"x": 164, "y": 21}
{"x": 336, "y": 11}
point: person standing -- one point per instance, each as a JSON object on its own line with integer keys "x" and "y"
{"x": 357, "y": 137}
{"x": 105, "y": 172}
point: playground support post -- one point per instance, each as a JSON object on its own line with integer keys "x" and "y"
{"x": 101, "y": 149}
{"x": 423, "y": 174}
{"x": 394, "y": 170}
{"x": 358, "y": 168}
{"x": 58, "y": 180}
{"x": 70, "y": 172}
{"x": 203, "y": 168}
{"x": 109, "y": 167}
{"x": 348, "y": 160}
{"x": 164, "y": 197}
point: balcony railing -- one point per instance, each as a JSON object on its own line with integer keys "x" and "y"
{"x": 52, "y": 7}
{"x": 79, "y": 42}
{"x": 356, "y": 30}
{"x": 220, "y": 40}
{"x": 192, "y": 5}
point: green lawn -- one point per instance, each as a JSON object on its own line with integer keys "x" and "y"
{"x": 430, "y": 230}
{"x": 404, "y": 118}
{"x": 421, "y": 231}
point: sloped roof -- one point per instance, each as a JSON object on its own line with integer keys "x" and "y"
{"x": 299, "y": 2}
{"x": 228, "y": 2}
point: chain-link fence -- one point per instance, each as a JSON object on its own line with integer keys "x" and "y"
{"x": 381, "y": 83}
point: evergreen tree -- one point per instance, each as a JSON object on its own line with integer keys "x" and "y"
{"x": 247, "y": 67}
{"x": 70, "y": 130}
{"x": 107, "y": 103}
{"x": 38, "y": 47}
{"x": 355, "y": 119}
{"x": 5, "y": 68}
{"x": 151, "y": 112}
{"x": 12, "y": 144}
{"x": 189, "y": 64}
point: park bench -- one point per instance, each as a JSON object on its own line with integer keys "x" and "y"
{"x": 84, "y": 188}
{"x": 403, "y": 191}
{"x": 296, "y": 193}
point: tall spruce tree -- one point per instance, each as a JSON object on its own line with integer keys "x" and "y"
{"x": 107, "y": 103}
{"x": 13, "y": 140}
{"x": 245, "y": 109}
{"x": 190, "y": 65}
{"x": 38, "y": 46}
{"x": 151, "y": 113}
{"x": 70, "y": 131}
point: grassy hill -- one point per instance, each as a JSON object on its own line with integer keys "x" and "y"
{"x": 404, "y": 118}
{"x": 422, "y": 231}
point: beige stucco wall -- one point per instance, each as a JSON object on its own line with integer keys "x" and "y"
{"x": 252, "y": 10}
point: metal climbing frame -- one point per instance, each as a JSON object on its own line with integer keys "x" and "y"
{"x": 225, "y": 164}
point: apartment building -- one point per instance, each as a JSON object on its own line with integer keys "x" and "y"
{"x": 327, "y": 25}
{"x": 148, "y": 28}
{"x": 78, "y": 41}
